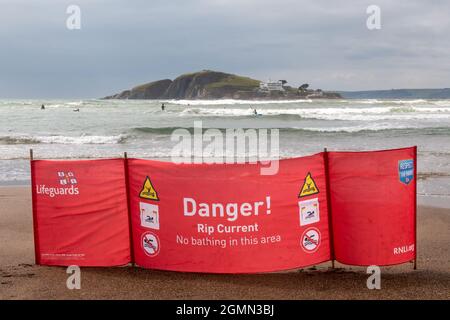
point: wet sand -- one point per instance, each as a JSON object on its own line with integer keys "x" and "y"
{"x": 21, "y": 279}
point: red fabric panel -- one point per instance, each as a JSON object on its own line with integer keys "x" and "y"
{"x": 167, "y": 238}
{"x": 80, "y": 212}
{"x": 373, "y": 206}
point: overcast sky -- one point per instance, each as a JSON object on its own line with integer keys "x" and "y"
{"x": 124, "y": 43}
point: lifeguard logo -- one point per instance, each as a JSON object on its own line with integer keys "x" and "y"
{"x": 309, "y": 187}
{"x": 309, "y": 211}
{"x": 149, "y": 215}
{"x": 68, "y": 186}
{"x": 150, "y": 244}
{"x": 148, "y": 191}
{"x": 310, "y": 240}
{"x": 406, "y": 171}
{"x": 66, "y": 178}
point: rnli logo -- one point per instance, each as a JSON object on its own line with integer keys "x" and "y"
{"x": 406, "y": 171}
{"x": 67, "y": 178}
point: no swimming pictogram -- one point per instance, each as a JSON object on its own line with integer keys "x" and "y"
{"x": 310, "y": 240}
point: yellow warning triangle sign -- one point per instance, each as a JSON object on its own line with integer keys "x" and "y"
{"x": 309, "y": 187}
{"x": 148, "y": 191}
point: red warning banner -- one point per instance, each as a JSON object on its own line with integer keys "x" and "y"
{"x": 373, "y": 206}
{"x": 80, "y": 212}
{"x": 229, "y": 218}
{"x": 356, "y": 207}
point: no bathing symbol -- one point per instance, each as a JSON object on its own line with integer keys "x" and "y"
{"x": 310, "y": 240}
{"x": 148, "y": 191}
{"x": 150, "y": 244}
{"x": 309, "y": 187}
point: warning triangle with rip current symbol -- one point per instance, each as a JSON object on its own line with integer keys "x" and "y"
{"x": 148, "y": 191}
{"x": 309, "y": 187}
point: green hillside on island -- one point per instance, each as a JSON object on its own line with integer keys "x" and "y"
{"x": 208, "y": 84}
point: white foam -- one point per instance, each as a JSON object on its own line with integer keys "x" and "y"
{"x": 81, "y": 139}
{"x": 442, "y": 103}
{"x": 232, "y": 102}
{"x": 385, "y": 101}
{"x": 330, "y": 113}
{"x": 59, "y": 139}
{"x": 353, "y": 129}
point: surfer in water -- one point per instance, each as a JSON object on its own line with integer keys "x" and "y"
{"x": 42, "y": 107}
{"x": 76, "y": 110}
{"x": 255, "y": 112}
{"x": 163, "y": 107}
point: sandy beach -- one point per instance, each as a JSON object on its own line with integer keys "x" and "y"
{"x": 21, "y": 279}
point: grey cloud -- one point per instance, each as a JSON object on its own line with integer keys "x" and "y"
{"x": 123, "y": 43}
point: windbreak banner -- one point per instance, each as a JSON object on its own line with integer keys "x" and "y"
{"x": 373, "y": 206}
{"x": 80, "y": 212}
{"x": 358, "y": 208}
{"x": 229, "y": 218}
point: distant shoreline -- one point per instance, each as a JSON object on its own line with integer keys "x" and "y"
{"x": 412, "y": 94}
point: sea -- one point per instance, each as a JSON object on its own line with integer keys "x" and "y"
{"x": 92, "y": 128}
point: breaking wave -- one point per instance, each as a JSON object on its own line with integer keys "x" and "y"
{"x": 232, "y": 102}
{"x": 346, "y": 129}
{"x": 84, "y": 139}
{"x": 359, "y": 114}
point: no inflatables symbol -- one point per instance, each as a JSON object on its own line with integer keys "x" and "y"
{"x": 310, "y": 240}
{"x": 309, "y": 187}
{"x": 148, "y": 191}
{"x": 150, "y": 244}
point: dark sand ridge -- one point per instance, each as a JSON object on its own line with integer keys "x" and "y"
{"x": 21, "y": 279}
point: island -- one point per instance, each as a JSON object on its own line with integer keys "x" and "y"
{"x": 207, "y": 84}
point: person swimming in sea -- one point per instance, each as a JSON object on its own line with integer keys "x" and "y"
{"x": 76, "y": 110}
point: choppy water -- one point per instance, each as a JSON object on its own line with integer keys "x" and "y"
{"x": 107, "y": 128}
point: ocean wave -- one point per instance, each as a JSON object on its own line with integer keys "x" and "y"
{"x": 355, "y": 129}
{"x": 344, "y": 129}
{"x": 441, "y": 153}
{"x": 75, "y": 103}
{"x": 365, "y": 101}
{"x": 83, "y": 139}
{"x": 429, "y": 175}
{"x": 372, "y": 128}
{"x": 402, "y": 116}
{"x": 388, "y": 101}
{"x": 160, "y": 130}
{"x": 442, "y": 103}
{"x": 359, "y": 114}
{"x": 232, "y": 102}
{"x": 287, "y": 111}
{"x": 17, "y": 140}
{"x": 403, "y": 109}
{"x": 412, "y": 101}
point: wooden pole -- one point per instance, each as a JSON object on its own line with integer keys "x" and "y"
{"x": 330, "y": 216}
{"x": 415, "y": 208}
{"x": 37, "y": 259}
{"x": 127, "y": 187}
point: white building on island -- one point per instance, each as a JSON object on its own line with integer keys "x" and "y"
{"x": 271, "y": 86}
